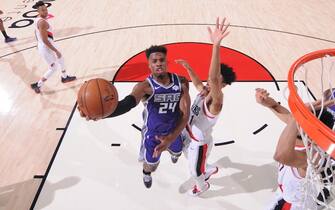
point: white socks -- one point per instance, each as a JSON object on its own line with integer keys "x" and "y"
{"x": 64, "y": 74}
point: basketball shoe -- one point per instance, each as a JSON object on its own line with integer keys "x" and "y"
{"x": 10, "y": 39}
{"x": 35, "y": 87}
{"x": 197, "y": 190}
{"x": 147, "y": 179}
{"x": 68, "y": 79}
{"x": 174, "y": 158}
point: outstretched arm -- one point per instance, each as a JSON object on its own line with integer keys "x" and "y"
{"x": 318, "y": 104}
{"x": 194, "y": 77}
{"x": 285, "y": 151}
{"x": 216, "y": 37}
{"x": 129, "y": 101}
{"x": 214, "y": 76}
{"x": 264, "y": 98}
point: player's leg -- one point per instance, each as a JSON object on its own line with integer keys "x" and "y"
{"x": 3, "y": 31}
{"x": 186, "y": 142}
{"x": 50, "y": 58}
{"x": 65, "y": 77}
{"x": 142, "y": 149}
{"x": 210, "y": 169}
{"x": 60, "y": 61}
{"x": 150, "y": 163}
{"x": 175, "y": 149}
{"x": 197, "y": 165}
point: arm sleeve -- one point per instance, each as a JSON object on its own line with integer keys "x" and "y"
{"x": 125, "y": 105}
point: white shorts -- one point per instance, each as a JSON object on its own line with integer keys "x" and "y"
{"x": 48, "y": 55}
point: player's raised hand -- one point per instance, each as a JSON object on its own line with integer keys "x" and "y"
{"x": 219, "y": 32}
{"x": 263, "y": 97}
{"x": 184, "y": 63}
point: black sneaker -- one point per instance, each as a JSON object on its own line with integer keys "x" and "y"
{"x": 68, "y": 79}
{"x": 174, "y": 158}
{"x": 10, "y": 39}
{"x": 147, "y": 180}
{"x": 35, "y": 87}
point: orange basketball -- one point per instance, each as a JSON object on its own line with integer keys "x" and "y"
{"x": 97, "y": 98}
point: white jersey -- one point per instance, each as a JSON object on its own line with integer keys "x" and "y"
{"x": 201, "y": 121}
{"x": 49, "y": 55}
{"x": 291, "y": 185}
{"x": 40, "y": 42}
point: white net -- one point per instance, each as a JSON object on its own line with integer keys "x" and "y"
{"x": 319, "y": 77}
{"x": 318, "y": 187}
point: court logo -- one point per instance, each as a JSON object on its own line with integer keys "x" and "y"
{"x": 27, "y": 17}
{"x": 199, "y": 56}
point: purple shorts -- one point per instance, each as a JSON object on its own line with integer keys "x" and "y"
{"x": 150, "y": 142}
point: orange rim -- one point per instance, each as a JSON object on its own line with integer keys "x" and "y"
{"x": 323, "y": 136}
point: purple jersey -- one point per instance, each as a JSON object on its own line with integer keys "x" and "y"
{"x": 162, "y": 111}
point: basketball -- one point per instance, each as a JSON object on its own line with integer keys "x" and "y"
{"x": 97, "y": 98}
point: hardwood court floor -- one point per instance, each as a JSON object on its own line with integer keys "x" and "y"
{"x": 89, "y": 173}
{"x": 96, "y": 38}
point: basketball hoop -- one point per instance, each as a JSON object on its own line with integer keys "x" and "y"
{"x": 319, "y": 140}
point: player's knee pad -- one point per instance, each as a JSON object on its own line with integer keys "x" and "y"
{"x": 150, "y": 167}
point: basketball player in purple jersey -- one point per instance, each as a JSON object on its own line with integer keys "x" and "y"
{"x": 167, "y": 103}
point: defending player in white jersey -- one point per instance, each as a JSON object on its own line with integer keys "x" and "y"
{"x": 47, "y": 48}
{"x": 291, "y": 155}
{"x": 205, "y": 111}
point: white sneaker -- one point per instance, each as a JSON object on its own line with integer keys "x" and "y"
{"x": 196, "y": 191}
{"x": 210, "y": 171}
